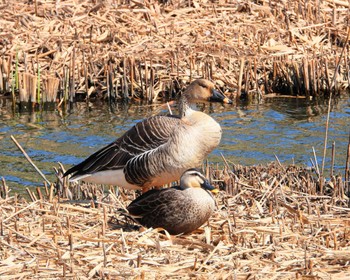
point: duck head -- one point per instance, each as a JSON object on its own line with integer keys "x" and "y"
{"x": 192, "y": 178}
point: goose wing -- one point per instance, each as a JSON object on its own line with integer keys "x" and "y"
{"x": 142, "y": 137}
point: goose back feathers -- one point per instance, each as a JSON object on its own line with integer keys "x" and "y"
{"x": 179, "y": 209}
{"x": 159, "y": 149}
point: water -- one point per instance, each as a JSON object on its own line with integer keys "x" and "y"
{"x": 252, "y": 134}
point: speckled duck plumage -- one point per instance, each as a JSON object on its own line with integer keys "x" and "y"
{"x": 180, "y": 209}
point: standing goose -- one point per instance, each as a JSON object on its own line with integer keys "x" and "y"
{"x": 179, "y": 209}
{"x": 157, "y": 150}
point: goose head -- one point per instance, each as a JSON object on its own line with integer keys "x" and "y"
{"x": 192, "y": 178}
{"x": 202, "y": 90}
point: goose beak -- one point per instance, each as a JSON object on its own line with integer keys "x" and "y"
{"x": 217, "y": 96}
{"x": 209, "y": 187}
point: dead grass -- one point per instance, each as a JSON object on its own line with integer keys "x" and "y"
{"x": 137, "y": 49}
{"x": 272, "y": 222}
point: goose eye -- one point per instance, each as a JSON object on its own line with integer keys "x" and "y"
{"x": 203, "y": 85}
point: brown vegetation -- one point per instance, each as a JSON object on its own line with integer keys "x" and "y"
{"x": 139, "y": 49}
{"x": 272, "y": 222}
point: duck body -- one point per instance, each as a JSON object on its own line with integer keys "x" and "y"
{"x": 157, "y": 150}
{"x": 179, "y": 209}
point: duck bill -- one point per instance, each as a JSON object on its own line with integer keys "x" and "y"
{"x": 209, "y": 187}
{"x": 217, "y": 96}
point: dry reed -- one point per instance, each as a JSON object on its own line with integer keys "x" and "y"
{"x": 272, "y": 222}
{"x": 138, "y": 49}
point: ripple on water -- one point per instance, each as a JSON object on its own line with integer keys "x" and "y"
{"x": 252, "y": 134}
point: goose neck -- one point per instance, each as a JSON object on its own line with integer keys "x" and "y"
{"x": 184, "y": 106}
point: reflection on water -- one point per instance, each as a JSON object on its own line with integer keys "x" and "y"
{"x": 252, "y": 134}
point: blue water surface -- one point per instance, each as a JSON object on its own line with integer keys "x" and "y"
{"x": 285, "y": 128}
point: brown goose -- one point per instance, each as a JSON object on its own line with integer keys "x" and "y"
{"x": 157, "y": 150}
{"x": 180, "y": 209}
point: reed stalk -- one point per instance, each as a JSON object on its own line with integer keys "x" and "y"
{"x": 51, "y": 89}
{"x": 2, "y": 77}
{"x": 330, "y": 100}
{"x": 16, "y": 73}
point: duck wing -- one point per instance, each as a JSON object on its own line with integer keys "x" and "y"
{"x": 160, "y": 208}
{"x": 142, "y": 137}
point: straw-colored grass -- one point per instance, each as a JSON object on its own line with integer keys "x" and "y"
{"x": 272, "y": 222}
{"x": 138, "y": 48}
